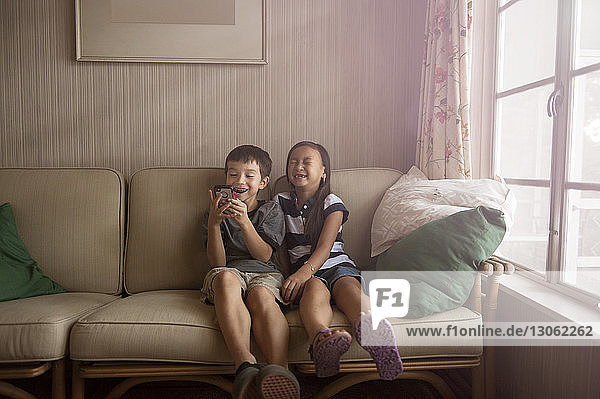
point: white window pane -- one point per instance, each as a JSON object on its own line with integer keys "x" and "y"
{"x": 527, "y": 43}
{"x": 524, "y": 133}
{"x": 587, "y": 33}
{"x": 584, "y": 160}
{"x": 582, "y": 255}
{"x": 527, "y": 243}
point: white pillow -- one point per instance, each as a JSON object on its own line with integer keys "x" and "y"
{"x": 414, "y": 200}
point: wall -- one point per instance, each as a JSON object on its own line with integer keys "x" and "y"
{"x": 553, "y": 372}
{"x": 345, "y": 73}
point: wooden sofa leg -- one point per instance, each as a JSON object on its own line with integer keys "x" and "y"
{"x": 477, "y": 381}
{"x": 490, "y": 375}
{"x": 59, "y": 379}
{"x": 77, "y": 383}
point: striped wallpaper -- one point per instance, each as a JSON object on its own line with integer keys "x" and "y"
{"x": 345, "y": 73}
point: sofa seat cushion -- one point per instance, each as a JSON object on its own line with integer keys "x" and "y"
{"x": 409, "y": 347}
{"x": 177, "y": 326}
{"x": 37, "y": 328}
{"x": 165, "y": 325}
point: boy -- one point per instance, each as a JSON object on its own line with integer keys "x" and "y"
{"x": 245, "y": 280}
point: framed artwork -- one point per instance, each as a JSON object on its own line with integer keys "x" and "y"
{"x": 203, "y": 31}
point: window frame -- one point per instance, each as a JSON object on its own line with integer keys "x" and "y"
{"x": 490, "y": 13}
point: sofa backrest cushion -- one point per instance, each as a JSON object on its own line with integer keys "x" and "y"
{"x": 72, "y": 222}
{"x": 165, "y": 249}
{"x": 361, "y": 189}
{"x": 20, "y": 274}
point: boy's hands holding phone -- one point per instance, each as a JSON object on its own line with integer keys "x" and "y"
{"x": 224, "y": 205}
{"x": 238, "y": 211}
{"x": 217, "y": 209}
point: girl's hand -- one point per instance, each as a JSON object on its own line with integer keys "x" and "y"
{"x": 238, "y": 211}
{"x": 217, "y": 213}
{"x": 293, "y": 286}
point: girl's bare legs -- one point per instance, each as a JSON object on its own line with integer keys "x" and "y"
{"x": 349, "y": 297}
{"x": 270, "y": 327}
{"x": 315, "y": 310}
{"x": 233, "y": 317}
{"x": 327, "y": 346}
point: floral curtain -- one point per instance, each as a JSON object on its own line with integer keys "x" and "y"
{"x": 443, "y": 145}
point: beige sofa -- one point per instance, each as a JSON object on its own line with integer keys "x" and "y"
{"x": 160, "y": 329}
{"x": 72, "y": 221}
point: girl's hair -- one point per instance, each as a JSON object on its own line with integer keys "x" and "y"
{"x": 315, "y": 218}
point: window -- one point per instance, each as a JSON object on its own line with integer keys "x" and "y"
{"x": 546, "y": 135}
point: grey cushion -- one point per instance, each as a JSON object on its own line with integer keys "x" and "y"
{"x": 71, "y": 221}
{"x": 166, "y": 325}
{"x": 409, "y": 347}
{"x": 178, "y": 326}
{"x": 165, "y": 249}
{"x": 164, "y": 245}
{"x": 37, "y": 328}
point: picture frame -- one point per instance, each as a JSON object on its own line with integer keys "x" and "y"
{"x": 185, "y": 31}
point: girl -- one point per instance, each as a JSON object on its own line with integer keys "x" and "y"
{"x": 321, "y": 269}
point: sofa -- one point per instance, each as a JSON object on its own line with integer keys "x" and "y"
{"x": 73, "y": 222}
{"x": 133, "y": 308}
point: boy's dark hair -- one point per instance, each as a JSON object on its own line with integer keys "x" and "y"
{"x": 315, "y": 218}
{"x": 248, "y": 153}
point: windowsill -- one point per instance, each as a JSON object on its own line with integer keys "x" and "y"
{"x": 552, "y": 303}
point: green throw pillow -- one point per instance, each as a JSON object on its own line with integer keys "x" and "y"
{"x": 20, "y": 276}
{"x": 456, "y": 243}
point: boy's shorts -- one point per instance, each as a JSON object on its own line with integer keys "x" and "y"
{"x": 248, "y": 280}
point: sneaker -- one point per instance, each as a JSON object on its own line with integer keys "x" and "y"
{"x": 277, "y": 382}
{"x": 244, "y": 384}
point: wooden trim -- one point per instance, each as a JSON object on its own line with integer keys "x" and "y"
{"x": 409, "y": 365}
{"x": 352, "y": 379}
{"x": 139, "y": 373}
{"x": 132, "y": 369}
{"x": 24, "y": 370}
{"x": 221, "y": 382}
{"x": 14, "y": 392}
{"x": 352, "y": 373}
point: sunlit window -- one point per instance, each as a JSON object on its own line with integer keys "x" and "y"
{"x": 547, "y": 135}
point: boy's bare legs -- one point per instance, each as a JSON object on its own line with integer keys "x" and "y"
{"x": 315, "y": 310}
{"x": 233, "y": 317}
{"x": 349, "y": 297}
{"x": 270, "y": 327}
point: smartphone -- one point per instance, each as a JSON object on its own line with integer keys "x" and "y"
{"x": 226, "y": 192}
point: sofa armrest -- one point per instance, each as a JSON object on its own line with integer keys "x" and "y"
{"x": 484, "y": 295}
{"x": 493, "y": 268}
